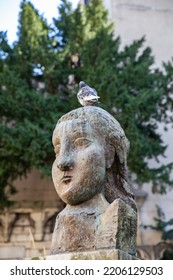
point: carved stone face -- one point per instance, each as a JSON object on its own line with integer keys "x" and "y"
{"x": 78, "y": 171}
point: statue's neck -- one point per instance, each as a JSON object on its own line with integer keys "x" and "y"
{"x": 95, "y": 205}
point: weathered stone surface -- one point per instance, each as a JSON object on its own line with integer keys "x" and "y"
{"x": 94, "y": 227}
{"x": 90, "y": 176}
{"x": 117, "y": 228}
{"x": 76, "y": 226}
{"x": 91, "y": 150}
{"x": 111, "y": 254}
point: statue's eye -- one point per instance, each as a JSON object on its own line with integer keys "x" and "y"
{"x": 57, "y": 149}
{"x": 82, "y": 142}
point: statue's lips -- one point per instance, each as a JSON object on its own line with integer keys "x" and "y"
{"x": 66, "y": 179}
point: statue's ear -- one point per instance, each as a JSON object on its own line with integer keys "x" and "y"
{"x": 110, "y": 154}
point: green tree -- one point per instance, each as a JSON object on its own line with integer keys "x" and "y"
{"x": 28, "y": 111}
{"x": 39, "y": 77}
{"x": 138, "y": 94}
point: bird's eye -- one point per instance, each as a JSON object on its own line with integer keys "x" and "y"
{"x": 82, "y": 142}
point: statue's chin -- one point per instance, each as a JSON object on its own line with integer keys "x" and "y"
{"x": 73, "y": 194}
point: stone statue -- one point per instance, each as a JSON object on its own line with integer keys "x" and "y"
{"x": 90, "y": 176}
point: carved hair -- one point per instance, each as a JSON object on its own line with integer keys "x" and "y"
{"x": 116, "y": 147}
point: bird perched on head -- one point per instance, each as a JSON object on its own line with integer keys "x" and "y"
{"x": 86, "y": 95}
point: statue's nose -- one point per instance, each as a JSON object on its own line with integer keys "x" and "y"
{"x": 65, "y": 163}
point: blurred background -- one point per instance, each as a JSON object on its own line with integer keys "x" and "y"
{"x": 124, "y": 50}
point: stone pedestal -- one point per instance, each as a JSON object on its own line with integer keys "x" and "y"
{"x": 111, "y": 254}
{"x": 107, "y": 232}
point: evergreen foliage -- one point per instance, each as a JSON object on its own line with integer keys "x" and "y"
{"x": 39, "y": 78}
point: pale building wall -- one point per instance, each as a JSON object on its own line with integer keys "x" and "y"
{"x": 26, "y": 227}
{"x": 154, "y": 19}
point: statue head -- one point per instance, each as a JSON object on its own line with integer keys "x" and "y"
{"x": 91, "y": 150}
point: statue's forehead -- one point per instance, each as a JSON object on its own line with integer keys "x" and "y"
{"x": 74, "y": 125}
{"x": 72, "y": 128}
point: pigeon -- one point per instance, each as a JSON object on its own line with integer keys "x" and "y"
{"x": 86, "y": 95}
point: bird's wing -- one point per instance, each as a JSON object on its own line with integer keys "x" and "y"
{"x": 91, "y": 97}
{"x": 87, "y": 93}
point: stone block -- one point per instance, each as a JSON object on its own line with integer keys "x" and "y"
{"x": 114, "y": 228}
{"x": 20, "y": 238}
{"x": 32, "y": 253}
{"x": 111, "y": 254}
{"x": 12, "y": 252}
